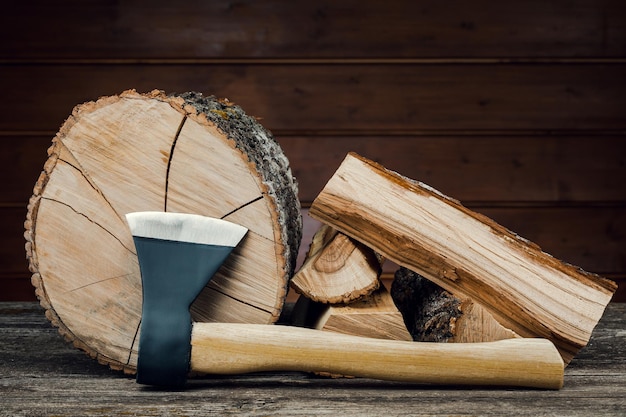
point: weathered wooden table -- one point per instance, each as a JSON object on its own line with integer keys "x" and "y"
{"x": 41, "y": 375}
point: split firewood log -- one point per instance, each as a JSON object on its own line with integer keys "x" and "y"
{"x": 337, "y": 269}
{"x": 375, "y": 315}
{"x": 153, "y": 152}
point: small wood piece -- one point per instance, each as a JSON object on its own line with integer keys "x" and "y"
{"x": 373, "y": 316}
{"x": 152, "y": 152}
{"x": 432, "y": 314}
{"x": 337, "y": 269}
{"x": 417, "y": 227}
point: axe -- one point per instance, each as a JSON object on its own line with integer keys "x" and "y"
{"x": 179, "y": 253}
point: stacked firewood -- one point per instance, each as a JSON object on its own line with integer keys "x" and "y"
{"x": 462, "y": 276}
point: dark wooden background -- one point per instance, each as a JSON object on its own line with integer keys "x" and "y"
{"x": 516, "y": 108}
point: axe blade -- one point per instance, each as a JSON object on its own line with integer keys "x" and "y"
{"x": 178, "y": 255}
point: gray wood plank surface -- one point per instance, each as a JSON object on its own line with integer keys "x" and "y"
{"x": 41, "y": 375}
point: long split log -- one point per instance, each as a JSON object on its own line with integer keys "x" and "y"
{"x": 526, "y": 290}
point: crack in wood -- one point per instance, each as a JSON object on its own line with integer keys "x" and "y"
{"x": 169, "y": 161}
{"x": 82, "y": 172}
{"x": 254, "y": 200}
{"x": 130, "y": 349}
{"x": 92, "y": 221}
{"x": 97, "y": 282}
{"x": 239, "y": 300}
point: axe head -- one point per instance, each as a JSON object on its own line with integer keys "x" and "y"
{"x": 178, "y": 255}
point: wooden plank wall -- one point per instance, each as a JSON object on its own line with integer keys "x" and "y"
{"x": 518, "y": 109}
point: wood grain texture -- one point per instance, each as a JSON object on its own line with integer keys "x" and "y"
{"x": 252, "y": 29}
{"x": 313, "y": 97}
{"x": 590, "y": 237}
{"x": 337, "y": 269}
{"x": 374, "y": 315}
{"x": 578, "y": 235}
{"x": 42, "y": 376}
{"x": 513, "y": 105}
{"x": 476, "y": 168}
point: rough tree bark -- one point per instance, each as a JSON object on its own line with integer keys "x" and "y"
{"x": 432, "y": 314}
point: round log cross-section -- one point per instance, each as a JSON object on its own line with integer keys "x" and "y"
{"x": 153, "y": 152}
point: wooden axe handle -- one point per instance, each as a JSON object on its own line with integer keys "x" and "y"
{"x": 226, "y": 348}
